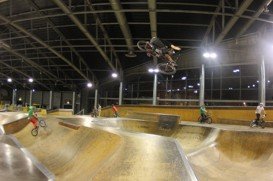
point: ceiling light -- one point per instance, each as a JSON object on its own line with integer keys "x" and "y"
{"x": 213, "y": 55}
{"x": 89, "y": 85}
{"x": 30, "y": 80}
{"x": 9, "y": 79}
{"x": 114, "y": 75}
{"x": 206, "y": 54}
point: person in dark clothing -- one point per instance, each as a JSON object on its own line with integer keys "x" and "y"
{"x": 163, "y": 48}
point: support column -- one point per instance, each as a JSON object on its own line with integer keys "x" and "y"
{"x": 262, "y": 81}
{"x": 202, "y": 86}
{"x": 120, "y": 93}
{"x": 96, "y": 99}
{"x": 73, "y": 101}
{"x": 30, "y": 97}
{"x": 50, "y": 100}
{"x": 155, "y": 90}
{"x": 14, "y": 97}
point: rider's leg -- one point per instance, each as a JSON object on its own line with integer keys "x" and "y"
{"x": 34, "y": 121}
{"x": 169, "y": 58}
{"x": 203, "y": 118}
{"x": 257, "y": 118}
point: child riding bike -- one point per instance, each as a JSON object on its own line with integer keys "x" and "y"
{"x": 32, "y": 116}
{"x": 115, "y": 110}
{"x": 260, "y": 113}
{"x": 203, "y": 113}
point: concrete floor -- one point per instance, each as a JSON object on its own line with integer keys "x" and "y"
{"x": 131, "y": 149}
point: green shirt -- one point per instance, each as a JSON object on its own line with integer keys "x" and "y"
{"x": 30, "y": 113}
{"x": 203, "y": 110}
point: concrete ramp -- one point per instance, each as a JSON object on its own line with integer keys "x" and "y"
{"x": 69, "y": 153}
{"x": 216, "y": 153}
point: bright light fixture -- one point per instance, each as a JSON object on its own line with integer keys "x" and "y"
{"x": 89, "y": 85}
{"x": 33, "y": 90}
{"x": 211, "y": 55}
{"x": 114, "y": 75}
{"x": 153, "y": 70}
{"x": 30, "y": 80}
{"x": 9, "y": 80}
{"x": 236, "y": 70}
{"x": 183, "y": 78}
{"x": 206, "y": 54}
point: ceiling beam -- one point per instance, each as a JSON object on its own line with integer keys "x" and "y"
{"x": 83, "y": 29}
{"x": 61, "y": 35}
{"x": 199, "y": 12}
{"x": 13, "y": 80}
{"x": 212, "y": 22}
{"x": 153, "y": 18}
{"x": 243, "y": 7}
{"x": 30, "y": 62}
{"x": 37, "y": 39}
{"x": 106, "y": 35}
{"x": 251, "y": 21}
{"x": 24, "y": 74}
{"x": 121, "y": 18}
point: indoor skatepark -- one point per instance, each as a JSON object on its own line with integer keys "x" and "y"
{"x": 136, "y": 90}
{"x": 125, "y": 148}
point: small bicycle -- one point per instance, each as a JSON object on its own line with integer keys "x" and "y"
{"x": 167, "y": 67}
{"x": 94, "y": 113}
{"x": 260, "y": 122}
{"x": 41, "y": 123}
{"x": 207, "y": 119}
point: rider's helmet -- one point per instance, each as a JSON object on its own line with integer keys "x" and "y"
{"x": 261, "y": 104}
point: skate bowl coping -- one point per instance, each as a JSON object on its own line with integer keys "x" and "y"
{"x": 61, "y": 112}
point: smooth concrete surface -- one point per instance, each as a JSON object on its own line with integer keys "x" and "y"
{"x": 14, "y": 164}
{"x": 121, "y": 149}
{"x": 141, "y": 157}
{"x": 70, "y": 154}
{"x": 216, "y": 152}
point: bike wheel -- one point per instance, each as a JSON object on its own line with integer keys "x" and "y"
{"x": 252, "y": 123}
{"x": 209, "y": 120}
{"x": 34, "y": 131}
{"x": 262, "y": 124}
{"x": 142, "y": 45}
{"x": 42, "y": 123}
{"x": 166, "y": 68}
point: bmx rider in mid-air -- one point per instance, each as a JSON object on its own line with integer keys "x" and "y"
{"x": 162, "y": 48}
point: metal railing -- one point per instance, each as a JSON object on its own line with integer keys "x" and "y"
{"x": 81, "y": 112}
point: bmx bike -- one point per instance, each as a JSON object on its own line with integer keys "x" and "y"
{"x": 41, "y": 123}
{"x": 260, "y": 123}
{"x": 94, "y": 113}
{"x": 207, "y": 119}
{"x": 167, "y": 66}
